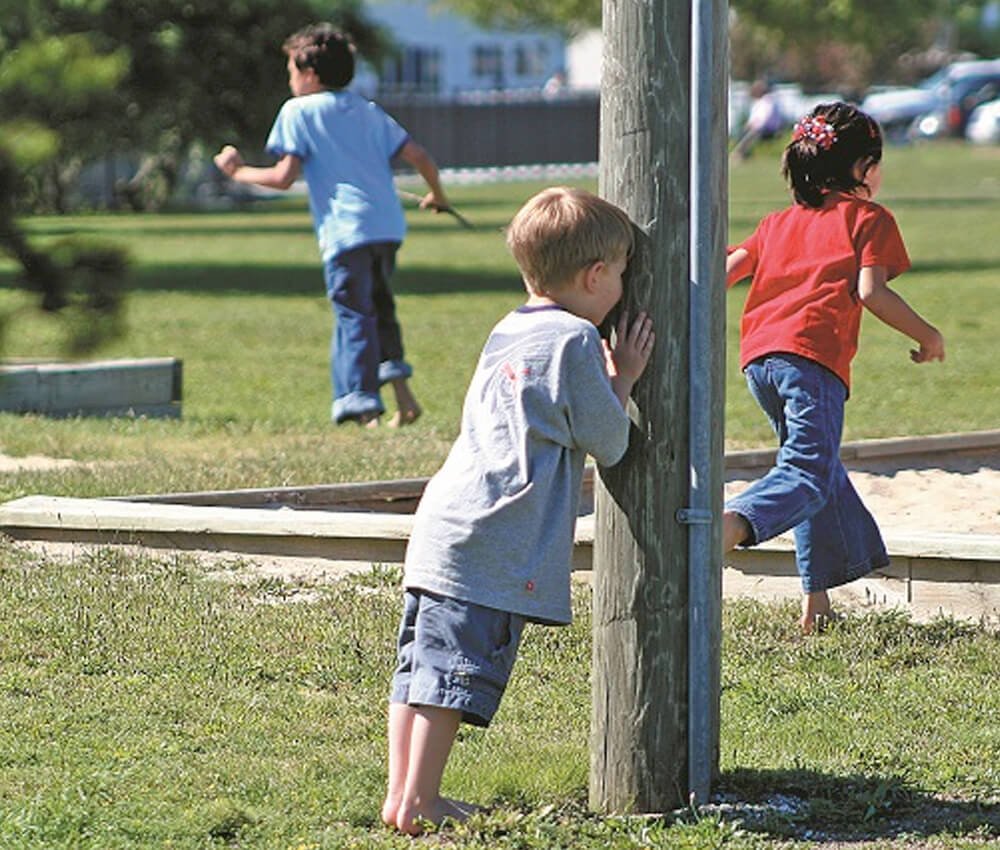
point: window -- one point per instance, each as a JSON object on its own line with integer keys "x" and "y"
{"x": 413, "y": 69}
{"x": 531, "y": 59}
{"x": 487, "y": 62}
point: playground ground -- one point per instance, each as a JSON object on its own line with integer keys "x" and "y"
{"x": 148, "y": 705}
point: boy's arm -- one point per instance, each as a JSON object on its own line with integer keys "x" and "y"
{"x": 628, "y": 359}
{"x": 738, "y": 266}
{"x": 423, "y": 162}
{"x": 889, "y": 307}
{"x": 281, "y": 175}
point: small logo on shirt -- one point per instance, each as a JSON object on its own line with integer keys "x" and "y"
{"x": 513, "y": 374}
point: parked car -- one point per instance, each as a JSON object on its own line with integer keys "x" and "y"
{"x": 983, "y": 127}
{"x": 950, "y": 95}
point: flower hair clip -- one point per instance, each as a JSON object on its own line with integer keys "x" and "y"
{"x": 815, "y": 129}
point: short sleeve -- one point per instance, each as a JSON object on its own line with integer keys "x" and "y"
{"x": 751, "y": 244}
{"x": 598, "y": 424}
{"x": 287, "y": 136}
{"x": 392, "y": 133}
{"x": 879, "y": 243}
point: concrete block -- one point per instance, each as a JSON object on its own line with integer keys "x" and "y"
{"x": 145, "y": 387}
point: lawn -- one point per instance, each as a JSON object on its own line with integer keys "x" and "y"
{"x": 148, "y": 705}
{"x": 238, "y": 297}
{"x": 150, "y": 702}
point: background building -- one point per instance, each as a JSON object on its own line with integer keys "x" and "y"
{"x": 441, "y": 53}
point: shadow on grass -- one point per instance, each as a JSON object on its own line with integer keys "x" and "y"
{"x": 938, "y": 266}
{"x": 296, "y": 280}
{"x": 826, "y": 807}
{"x": 299, "y": 280}
{"x": 164, "y": 230}
{"x": 948, "y": 202}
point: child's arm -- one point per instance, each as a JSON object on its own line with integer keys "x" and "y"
{"x": 418, "y": 157}
{"x": 738, "y": 266}
{"x": 889, "y": 307}
{"x": 628, "y": 359}
{"x": 281, "y": 175}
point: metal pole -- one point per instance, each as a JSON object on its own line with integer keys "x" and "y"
{"x": 705, "y": 342}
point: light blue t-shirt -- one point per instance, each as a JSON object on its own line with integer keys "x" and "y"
{"x": 345, "y": 143}
{"x": 495, "y": 524}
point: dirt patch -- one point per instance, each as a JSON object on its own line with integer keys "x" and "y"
{"x": 35, "y": 463}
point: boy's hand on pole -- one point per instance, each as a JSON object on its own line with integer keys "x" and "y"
{"x": 632, "y": 349}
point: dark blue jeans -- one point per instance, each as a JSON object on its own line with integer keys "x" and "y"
{"x": 366, "y": 348}
{"x": 836, "y": 538}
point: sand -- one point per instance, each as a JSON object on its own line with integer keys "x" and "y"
{"x": 957, "y": 493}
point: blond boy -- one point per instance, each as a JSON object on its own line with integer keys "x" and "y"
{"x": 493, "y": 535}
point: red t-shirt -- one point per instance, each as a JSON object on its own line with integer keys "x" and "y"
{"x": 803, "y": 296}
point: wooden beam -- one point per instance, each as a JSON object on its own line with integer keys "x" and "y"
{"x": 640, "y": 674}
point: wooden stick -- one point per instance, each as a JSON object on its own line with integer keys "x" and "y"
{"x": 461, "y": 219}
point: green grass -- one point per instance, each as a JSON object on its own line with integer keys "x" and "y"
{"x": 147, "y": 705}
{"x": 238, "y": 297}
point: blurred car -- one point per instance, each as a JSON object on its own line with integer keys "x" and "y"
{"x": 983, "y": 127}
{"x": 945, "y": 99}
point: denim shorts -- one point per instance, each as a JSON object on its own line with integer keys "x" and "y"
{"x": 454, "y": 654}
{"x": 836, "y": 538}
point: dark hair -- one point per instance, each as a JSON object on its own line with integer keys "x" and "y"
{"x": 326, "y": 50}
{"x": 825, "y": 146}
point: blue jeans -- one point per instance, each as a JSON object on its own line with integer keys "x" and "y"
{"x": 366, "y": 348}
{"x": 836, "y": 538}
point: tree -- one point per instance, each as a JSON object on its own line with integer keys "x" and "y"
{"x": 158, "y": 75}
{"x": 82, "y": 281}
{"x": 563, "y": 15}
{"x": 848, "y": 43}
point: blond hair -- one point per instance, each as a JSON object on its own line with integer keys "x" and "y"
{"x": 562, "y": 230}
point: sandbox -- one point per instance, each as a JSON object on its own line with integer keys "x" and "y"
{"x": 937, "y": 567}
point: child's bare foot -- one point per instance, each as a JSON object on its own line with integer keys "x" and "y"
{"x": 368, "y": 420}
{"x": 405, "y": 417}
{"x": 816, "y": 611}
{"x": 735, "y": 530}
{"x": 410, "y": 818}
{"x": 408, "y": 411}
{"x": 390, "y": 808}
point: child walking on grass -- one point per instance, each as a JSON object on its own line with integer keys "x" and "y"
{"x": 343, "y": 145}
{"x": 493, "y": 535}
{"x": 814, "y": 266}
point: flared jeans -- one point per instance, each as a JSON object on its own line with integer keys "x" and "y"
{"x": 836, "y": 538}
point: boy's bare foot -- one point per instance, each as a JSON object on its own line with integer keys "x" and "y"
{"x": 368, "y": 420}
{"x": 410, "y": 819}
{"x": 390, "y": 808}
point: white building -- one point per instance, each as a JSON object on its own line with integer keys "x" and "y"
{"x": 443, "y": 53}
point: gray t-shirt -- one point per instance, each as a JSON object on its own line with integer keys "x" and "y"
{"x": 495, "y": 524}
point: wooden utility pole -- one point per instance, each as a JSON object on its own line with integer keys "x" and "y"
{"x": 654, "y": 725}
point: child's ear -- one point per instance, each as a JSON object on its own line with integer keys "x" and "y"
{"x": 592, "y": 273}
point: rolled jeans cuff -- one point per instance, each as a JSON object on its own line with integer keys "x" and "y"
{"x": 356, "y": 404}
{"x": 393, "y": 370}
